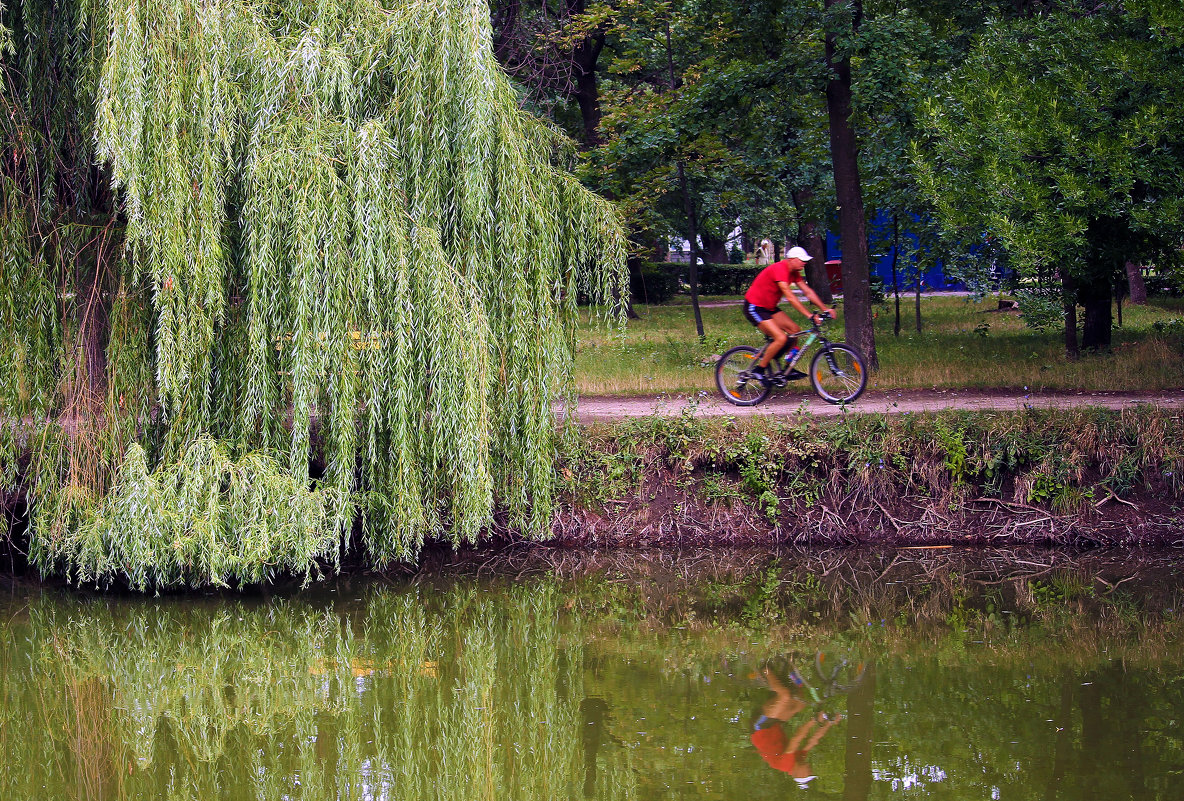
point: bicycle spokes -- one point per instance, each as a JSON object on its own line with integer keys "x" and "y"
{"x": 839, "y": 375}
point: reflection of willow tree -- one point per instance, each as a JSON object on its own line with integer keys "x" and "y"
{"x": 418, "y": 696}
{"x": 342, "y": 235}
{"x": 508, "y": 691}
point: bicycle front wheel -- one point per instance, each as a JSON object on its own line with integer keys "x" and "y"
{"x": 838, "y": 374}
{"x": 731, "y": 377}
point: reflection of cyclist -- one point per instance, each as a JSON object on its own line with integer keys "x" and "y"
{"x": 760, "y": 307}
{"x": 784, "y": 753}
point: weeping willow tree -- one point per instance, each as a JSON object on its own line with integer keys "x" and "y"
{"x": 342, "y": 244}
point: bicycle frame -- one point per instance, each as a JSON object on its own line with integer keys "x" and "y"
{"x": 806, "y": 340}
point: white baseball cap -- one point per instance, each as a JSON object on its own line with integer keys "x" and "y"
{"x": 797, "y": 253}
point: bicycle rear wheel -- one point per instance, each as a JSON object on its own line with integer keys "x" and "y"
{"x": 838, "y": 374}
{"x": 730, "y": 377}
{"x": 838, "y": 670}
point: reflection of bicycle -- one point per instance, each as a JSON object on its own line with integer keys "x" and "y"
{"x": 836, "y": 672}
{"x": 837, "y": 371}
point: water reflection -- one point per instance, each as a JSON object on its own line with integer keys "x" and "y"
{"x": 780, "y": 750}
{"x": 545, "y": 687}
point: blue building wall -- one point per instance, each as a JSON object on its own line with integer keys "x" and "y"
{"x": 880, "y": 231}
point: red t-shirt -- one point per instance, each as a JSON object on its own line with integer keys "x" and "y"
{"x": 764, "y": 291}
{"x": 770, "y": 744}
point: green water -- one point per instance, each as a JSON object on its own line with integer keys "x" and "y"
{"x": 967, "y": 678}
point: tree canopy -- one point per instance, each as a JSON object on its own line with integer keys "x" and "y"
{"x": 1059, "y": 138}
{"x": 336, "y": 220}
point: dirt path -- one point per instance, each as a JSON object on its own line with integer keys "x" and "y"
{"x": 897, "y": 402}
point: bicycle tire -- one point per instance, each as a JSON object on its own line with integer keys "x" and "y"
{"x": 838, "y": 373}
{"x": 727, "y": 377}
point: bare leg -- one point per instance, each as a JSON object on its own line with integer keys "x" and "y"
{"x": 791, "y": 329}
{"x": 776, "y": 333}
{"x": 795, "y": 742}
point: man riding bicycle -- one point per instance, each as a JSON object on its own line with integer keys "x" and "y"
{"x": 760, "y": 308}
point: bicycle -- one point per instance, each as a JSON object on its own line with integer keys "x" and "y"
{"x": 837, "y": 371}
{"x": 836, "y": 672}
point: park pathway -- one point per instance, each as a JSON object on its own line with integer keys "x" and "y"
{"x": 594, "y": 408}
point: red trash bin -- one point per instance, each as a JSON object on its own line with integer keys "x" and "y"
{"x": 834, "y": 274}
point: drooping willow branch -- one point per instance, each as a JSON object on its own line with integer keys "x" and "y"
{"x": 337, "y": 215}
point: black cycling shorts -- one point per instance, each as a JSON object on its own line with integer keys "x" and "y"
{"x": 757, "y": 314}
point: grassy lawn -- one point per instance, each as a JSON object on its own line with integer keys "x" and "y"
{"x": 660, "y": 353}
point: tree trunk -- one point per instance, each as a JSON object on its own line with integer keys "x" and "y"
{"x": 852, "y": 226}
{"x": 587, "y": 92}
{"x": 1093, "y": 734}
{"x": 917, "y": 303}
{"x": 634, "y": 266}
{"x": 688, "y": 206}
{"x": 895, "y": 279}
{"x": 90, "y": 365}
{"x": 1062, "y": 747}
{"x": 693, "y": 234}
{"x": 1134, "y": 280}
{"x": 1097, "y": 297}
{"x": 1072, "y": 352}
{"x": 594, "y": 712}
{"x": 810, "y": 239}
{"x": 715, "y": 251}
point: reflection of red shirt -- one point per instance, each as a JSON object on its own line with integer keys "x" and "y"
{"x": 764, "y": 291}
{"x": 770, "y": 744}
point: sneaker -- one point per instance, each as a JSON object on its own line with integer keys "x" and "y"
{"x": 794, "y": 375}
{"x": 758, "y": 374}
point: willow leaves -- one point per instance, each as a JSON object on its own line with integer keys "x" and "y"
{"x": 346, "y": 222}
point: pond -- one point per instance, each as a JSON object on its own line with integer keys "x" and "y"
{"x": 854, "y": 675}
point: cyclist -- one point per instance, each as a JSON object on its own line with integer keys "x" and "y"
{"x": 760, "y": 308}
{"x": 788, "y": 753}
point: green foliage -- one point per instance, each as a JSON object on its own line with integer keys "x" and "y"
{"x": 725, "y": 279}
{"x": 337, "y": 215}
{"x": 1056, "y": 139}
{"x": 208, "y": 518}
{"x": 714, "y": 279}
{"x": 1173, "y": 328}
{"x": 953, "y": 443}
{"x": 653, "y": 283}
{"x": 687, "y": 95}
{"x": 1041, "y": 308}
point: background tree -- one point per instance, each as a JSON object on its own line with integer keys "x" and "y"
{"x": 1060, "y": 139}
{"x": 553, "y": 48}
{"x": 843, "y": 22}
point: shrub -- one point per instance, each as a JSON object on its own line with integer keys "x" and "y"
{"x": 1041, "y": 308}
{"x": 654, "y": 282}
{"x": 725, "y": 279}
{"x": 654, "y": 279}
